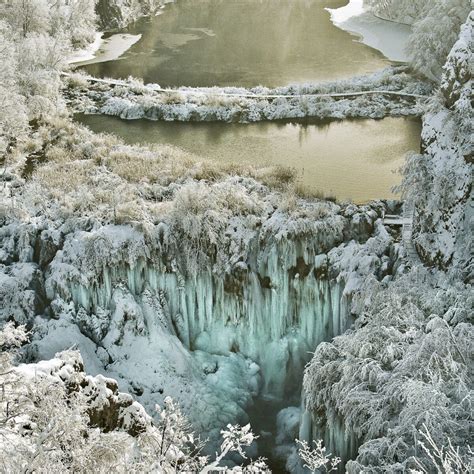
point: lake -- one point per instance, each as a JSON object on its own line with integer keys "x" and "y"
{"x": 242, "y": 42}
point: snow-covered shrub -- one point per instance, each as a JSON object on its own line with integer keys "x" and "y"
{"x": 44, "y": 423}
{"x": 230, "y": 104}
{"x": 54, "y": 418}
{"x": 200, "y": 215}
{"x": 316, "y": 459}
{"x": 446, "y": 459}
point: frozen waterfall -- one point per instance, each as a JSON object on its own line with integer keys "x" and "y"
{"x": 275, "y": 315}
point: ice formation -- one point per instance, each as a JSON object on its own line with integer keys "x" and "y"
{"x": 239, "y": 324}
{"x": 273, "y": 308}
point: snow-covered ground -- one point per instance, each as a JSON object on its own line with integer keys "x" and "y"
{"x": 102, "y": 50}
{"x": 388, "y": 37}
{"x": 88, "y": 53}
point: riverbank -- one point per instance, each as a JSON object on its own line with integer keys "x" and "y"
{"x": 104, "y": 49}
{"x": 390, "y": 92}
{"x": 388, "y": 37}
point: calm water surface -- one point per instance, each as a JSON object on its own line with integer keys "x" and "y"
{"x": 242, "y": 42}
{"x": 351, "y": 159}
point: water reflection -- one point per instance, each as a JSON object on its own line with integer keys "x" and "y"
{"x": 242, "y": 42}
{"x": 351, "y": 159}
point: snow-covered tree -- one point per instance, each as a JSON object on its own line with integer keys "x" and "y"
{"x": 435, "y": 33}
{"x": 404, "y": 11}
{"x": 404, "y": 368}
{"x": 75, "y": 19}
{"x": 13, "y": 114}
{"x": 435, "y": 25}
{"x": 316, "y": 459}
{"x": 27, "y": 16}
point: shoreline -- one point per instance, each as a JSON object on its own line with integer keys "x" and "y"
{"x": 87, "y": 53}
{"x": 102, "y": 50}
{"x": 387, "y": 36}
{"x": 108, "y": 49}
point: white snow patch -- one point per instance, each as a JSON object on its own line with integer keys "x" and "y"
{"x": 103, "y": 50}
{"x": 87, "y": 54}
{"x": 388, "y": 37}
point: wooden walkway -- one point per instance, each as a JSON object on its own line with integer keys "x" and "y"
{"x": 210, "y": 92}
{"x": 405, "y": 221}
{"x": 391, "y": 219}
{"x": 407, "y": 233}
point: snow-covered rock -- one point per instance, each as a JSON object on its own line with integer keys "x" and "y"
{"x": 440, "y": 180}
{"x": 119, "y": 13}
{"x": 108, "y": 408}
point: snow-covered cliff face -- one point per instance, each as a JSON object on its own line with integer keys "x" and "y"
{"x": 440, "y": 180}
